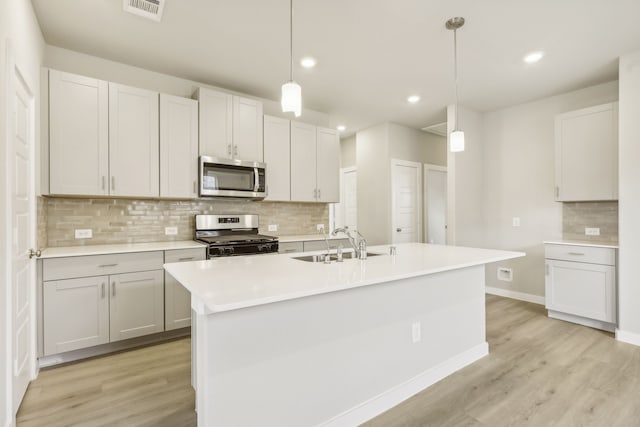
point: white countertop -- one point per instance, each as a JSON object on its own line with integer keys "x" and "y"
{"x": 230, "y": 283}
{"x": 70, "y": 251}
{"x": 582, "y": 243}
{"x": 308, "y": 237}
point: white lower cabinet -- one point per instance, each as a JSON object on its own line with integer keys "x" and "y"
{"x": 580, "y": 284}
{"x": 76, "y": 314}
{"x": 136, "y": 304}
{"x": 177, "y": 300}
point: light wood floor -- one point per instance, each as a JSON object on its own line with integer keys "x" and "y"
{"x": 540, "y": 372}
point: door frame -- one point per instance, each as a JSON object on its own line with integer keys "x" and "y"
{"x": 419, "y": 225}
{"x": 338, "y": 209}
{"x": 13, "y": 71}
{"x": 425, "y": 183}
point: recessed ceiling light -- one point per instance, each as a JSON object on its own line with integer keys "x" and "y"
{"x": 342, "y": 128}
{"x": 533, "y": 57}
{"x": 413, "y": 99}
{"x": 308, "y": 62}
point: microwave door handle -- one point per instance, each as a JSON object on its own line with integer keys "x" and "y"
{"x": 256, "y": 180}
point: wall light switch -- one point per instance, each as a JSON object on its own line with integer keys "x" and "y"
{"x": 86, "y": 233}
{"x": 171, "y": 231}
{"x": 273, "y": 227}
{"x": 592, "y": 231}
{"x": 516, "y": 221}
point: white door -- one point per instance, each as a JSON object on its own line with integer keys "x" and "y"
{"x": 20, "y": 170}
{"x": 435, "y": 178}
{"x": 347, "y": 210}
{"x": 247, "y": 129}
{"x": 405, "y": 201}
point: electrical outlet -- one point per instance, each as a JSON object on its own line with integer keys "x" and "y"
{"x": 273, "y": 227}
{"x": 516, "y": 221}
{"x": 171, "y": 231}
{"x": 592, "y": 231}
{"x": 319, "y": 227}
{"x": 505, "y": 274}
{"x": 416, "y": 333}
{"x": 86, "y": 233}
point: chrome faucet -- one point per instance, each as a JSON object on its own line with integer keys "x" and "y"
{"x": 359, "y": 248}
{"x": 327, "y": 257}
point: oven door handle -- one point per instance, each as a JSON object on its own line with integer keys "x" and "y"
{"x": 256, "y": 179}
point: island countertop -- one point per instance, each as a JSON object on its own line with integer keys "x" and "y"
{"x": 230, "y": 283}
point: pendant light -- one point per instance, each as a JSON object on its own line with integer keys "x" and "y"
{"x": 456, "y": 138}
{"x": 291, "y": 91}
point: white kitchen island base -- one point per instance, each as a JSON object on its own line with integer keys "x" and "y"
{"x": 338, "y": 358}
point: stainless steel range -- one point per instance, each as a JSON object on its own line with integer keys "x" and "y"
{"x": 230, "y": 235}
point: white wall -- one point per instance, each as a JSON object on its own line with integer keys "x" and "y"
{"x": 18, "y": 25}
{"x": 519, "y": 182}
{"x": 435, "y": 148}
{"x": 348, "y": 151}
{"x": 629, "y": 204}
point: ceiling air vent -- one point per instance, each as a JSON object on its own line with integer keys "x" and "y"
{"x": 150, "y": 9}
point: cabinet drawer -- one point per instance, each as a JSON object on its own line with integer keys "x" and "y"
{"x": 290, "y": 247}
{"x": 99, "y": 265}
{"x": 588, "y": 254}
{"x": 183, "y": 255}
{"x": 321, "y": 245}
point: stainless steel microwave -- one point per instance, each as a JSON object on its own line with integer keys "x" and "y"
{"x": 232, "y": 178}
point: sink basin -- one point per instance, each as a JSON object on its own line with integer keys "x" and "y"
{"x": 333, "y": 257}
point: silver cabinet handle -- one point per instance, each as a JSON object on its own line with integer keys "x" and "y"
{"x": 34, "y": 253}
{"x": 194, "y": 187}
{"x": 185, "y": 258}
{"x": 113, "y": 289}
{"x": 107, "y": 265}
{"x": 103, "y": 290}
{"x": 319, "y": 196}
{"x": 399, "y": 230}
{"x": 113, "y": 183}
{"x": 289, "y": 250}
{"x": 102, "y": 179}
{"x": 576, "y": 253}
{"x": 235, "y": 150}
{"x": 229, "y": 149}
{"x": 557, "y": 191}
{"x": 315, "y": 193}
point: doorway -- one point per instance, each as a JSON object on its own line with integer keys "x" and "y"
{"x": 406, "y": 212}
{"x": 435, "y": 185}
{"x": 346, "y": 211}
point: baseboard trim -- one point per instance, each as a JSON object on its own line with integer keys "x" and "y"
{"x": 628, "y": 337}
{"x": 390, "y": 398}
{"x": 536, "y": 299}
{"x": 585, "y": 321}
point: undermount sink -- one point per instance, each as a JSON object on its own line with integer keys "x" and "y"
{"x": 332, "y": 257}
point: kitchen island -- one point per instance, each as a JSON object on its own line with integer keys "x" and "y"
{"x": 283, "y": 342}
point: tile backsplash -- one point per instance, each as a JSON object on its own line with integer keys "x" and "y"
{"x": 138, "y": 221}
{"x": 577, "y": 216}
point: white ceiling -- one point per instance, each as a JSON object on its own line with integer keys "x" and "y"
{"x": 371, "y": 54}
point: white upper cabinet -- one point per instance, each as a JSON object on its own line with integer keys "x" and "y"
{"x": 247, "y": 129}
{"x": 277, "y": 156}
{"x": 328, "y": 165}
{"x": 178, "y": 147}
{"x": 215, "y": 123}
{"x": 133, "y": 142}
{"x": 303, "y": 163}
{"x": 586, "y": 154}
{"x": 78, "y": 134}
{"x": 230, "y": 127}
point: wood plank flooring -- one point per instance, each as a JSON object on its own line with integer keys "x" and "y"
{"x": 540, "y": 372}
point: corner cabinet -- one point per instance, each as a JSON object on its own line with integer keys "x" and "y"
{"x": 177, "y": 300}
{"x": 178, "y": 147}
{"x": 586, "y": 154}
{"x": 230, "y": 127}
{"x": 315, "y": 164}
{"x": 580, "y": 284}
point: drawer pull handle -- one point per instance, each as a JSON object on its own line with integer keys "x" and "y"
{"x": 107, "y": 265}
{"x": 189, "y": 258}
{"x": 576, "y": 253}
{"x": 103, "y": 290}
{"x": 290, "y": 250}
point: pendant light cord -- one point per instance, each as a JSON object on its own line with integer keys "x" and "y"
{"x": 455, "y": 72}
{"x": 291, "y": 39}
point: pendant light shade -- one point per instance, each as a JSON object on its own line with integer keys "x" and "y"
{"x": 291, "y": 91}
{"x": 456, "y": 138}
{"x": 292, "y": 98}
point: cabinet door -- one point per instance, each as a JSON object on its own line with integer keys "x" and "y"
{"x": 178, "y": 147}
{"x": 587, "y": 154}
{"x": 247, "y": 129}
{"x": 136, "y": 304}
{"x": 215, "y": 123}
{"x": 582, "y": 289}
{"x": 303, "y": 162}
{"x": 328, "y": 165}
{"x": 177, "y": 300}
{"x": 75, "y": 314}
{"x": 133, "y": 142}
{"x": 277, "y": 156}
{"x": 78, "y": 134}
